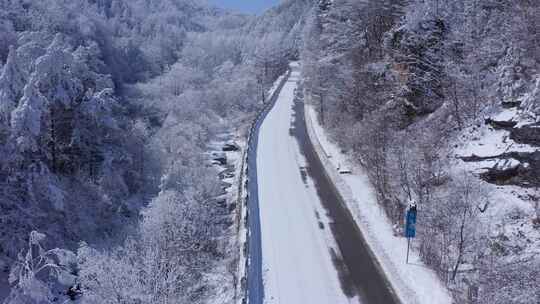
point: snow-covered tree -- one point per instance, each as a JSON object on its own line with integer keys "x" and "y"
{"x": 39, "y": 274}
{"x": 92, "y": 94}
{"x": 12, "y": 81}
{"x": 8, "y": 38}
{"x": 26, "y": 119}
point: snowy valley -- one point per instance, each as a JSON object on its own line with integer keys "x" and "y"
{"x": 170, "y": 151}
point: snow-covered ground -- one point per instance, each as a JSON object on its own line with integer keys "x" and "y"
{"x": 512, "y": 207}
{"x": 228, "y": 272}
{"x": 297, "y": 263}
{"x": 413, "y": 282}
{"x": 485, "y": 141}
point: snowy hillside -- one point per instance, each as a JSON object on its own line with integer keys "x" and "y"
{"x": 438, "y": 101}
{"x": 109, "y": 114}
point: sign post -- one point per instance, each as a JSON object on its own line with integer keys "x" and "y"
{"x": 410, "y": 226}
{"x": 408, "y": 246}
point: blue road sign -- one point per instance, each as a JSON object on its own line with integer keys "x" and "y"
{"x": 410, "y": 223}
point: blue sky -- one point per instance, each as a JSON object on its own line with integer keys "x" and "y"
{"x": 245, "y": 6}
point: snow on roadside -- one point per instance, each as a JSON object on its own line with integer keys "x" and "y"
{"x": 275, "y": 86}
{"x": 414, "y": 283}
{"x": 227, "y": 273}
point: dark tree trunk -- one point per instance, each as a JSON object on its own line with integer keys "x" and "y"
{"x": 52, "y": 142}
{"x": 460, "y": 246}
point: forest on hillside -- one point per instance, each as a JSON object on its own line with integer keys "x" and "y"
{"x": 107, "y": 109}
{"x": 439, "y": 102}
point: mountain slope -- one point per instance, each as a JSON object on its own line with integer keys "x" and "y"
{"x": 108, "y": 113}
{"x": 436, "y": 101}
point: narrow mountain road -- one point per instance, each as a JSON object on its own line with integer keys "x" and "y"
{"x": 311, "y": 251}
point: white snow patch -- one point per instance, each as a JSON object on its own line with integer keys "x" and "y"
{"x": 506, "y": 115}
{"x": 489, "y": 142}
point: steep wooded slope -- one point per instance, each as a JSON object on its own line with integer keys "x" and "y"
{"x": 419, "y": 92}
{"x": 108, "y": 108}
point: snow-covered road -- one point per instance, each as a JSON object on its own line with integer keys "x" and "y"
{"x": 296, "y": 251}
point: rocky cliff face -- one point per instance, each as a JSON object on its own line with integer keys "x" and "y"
{"x": 510, "y": 148}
